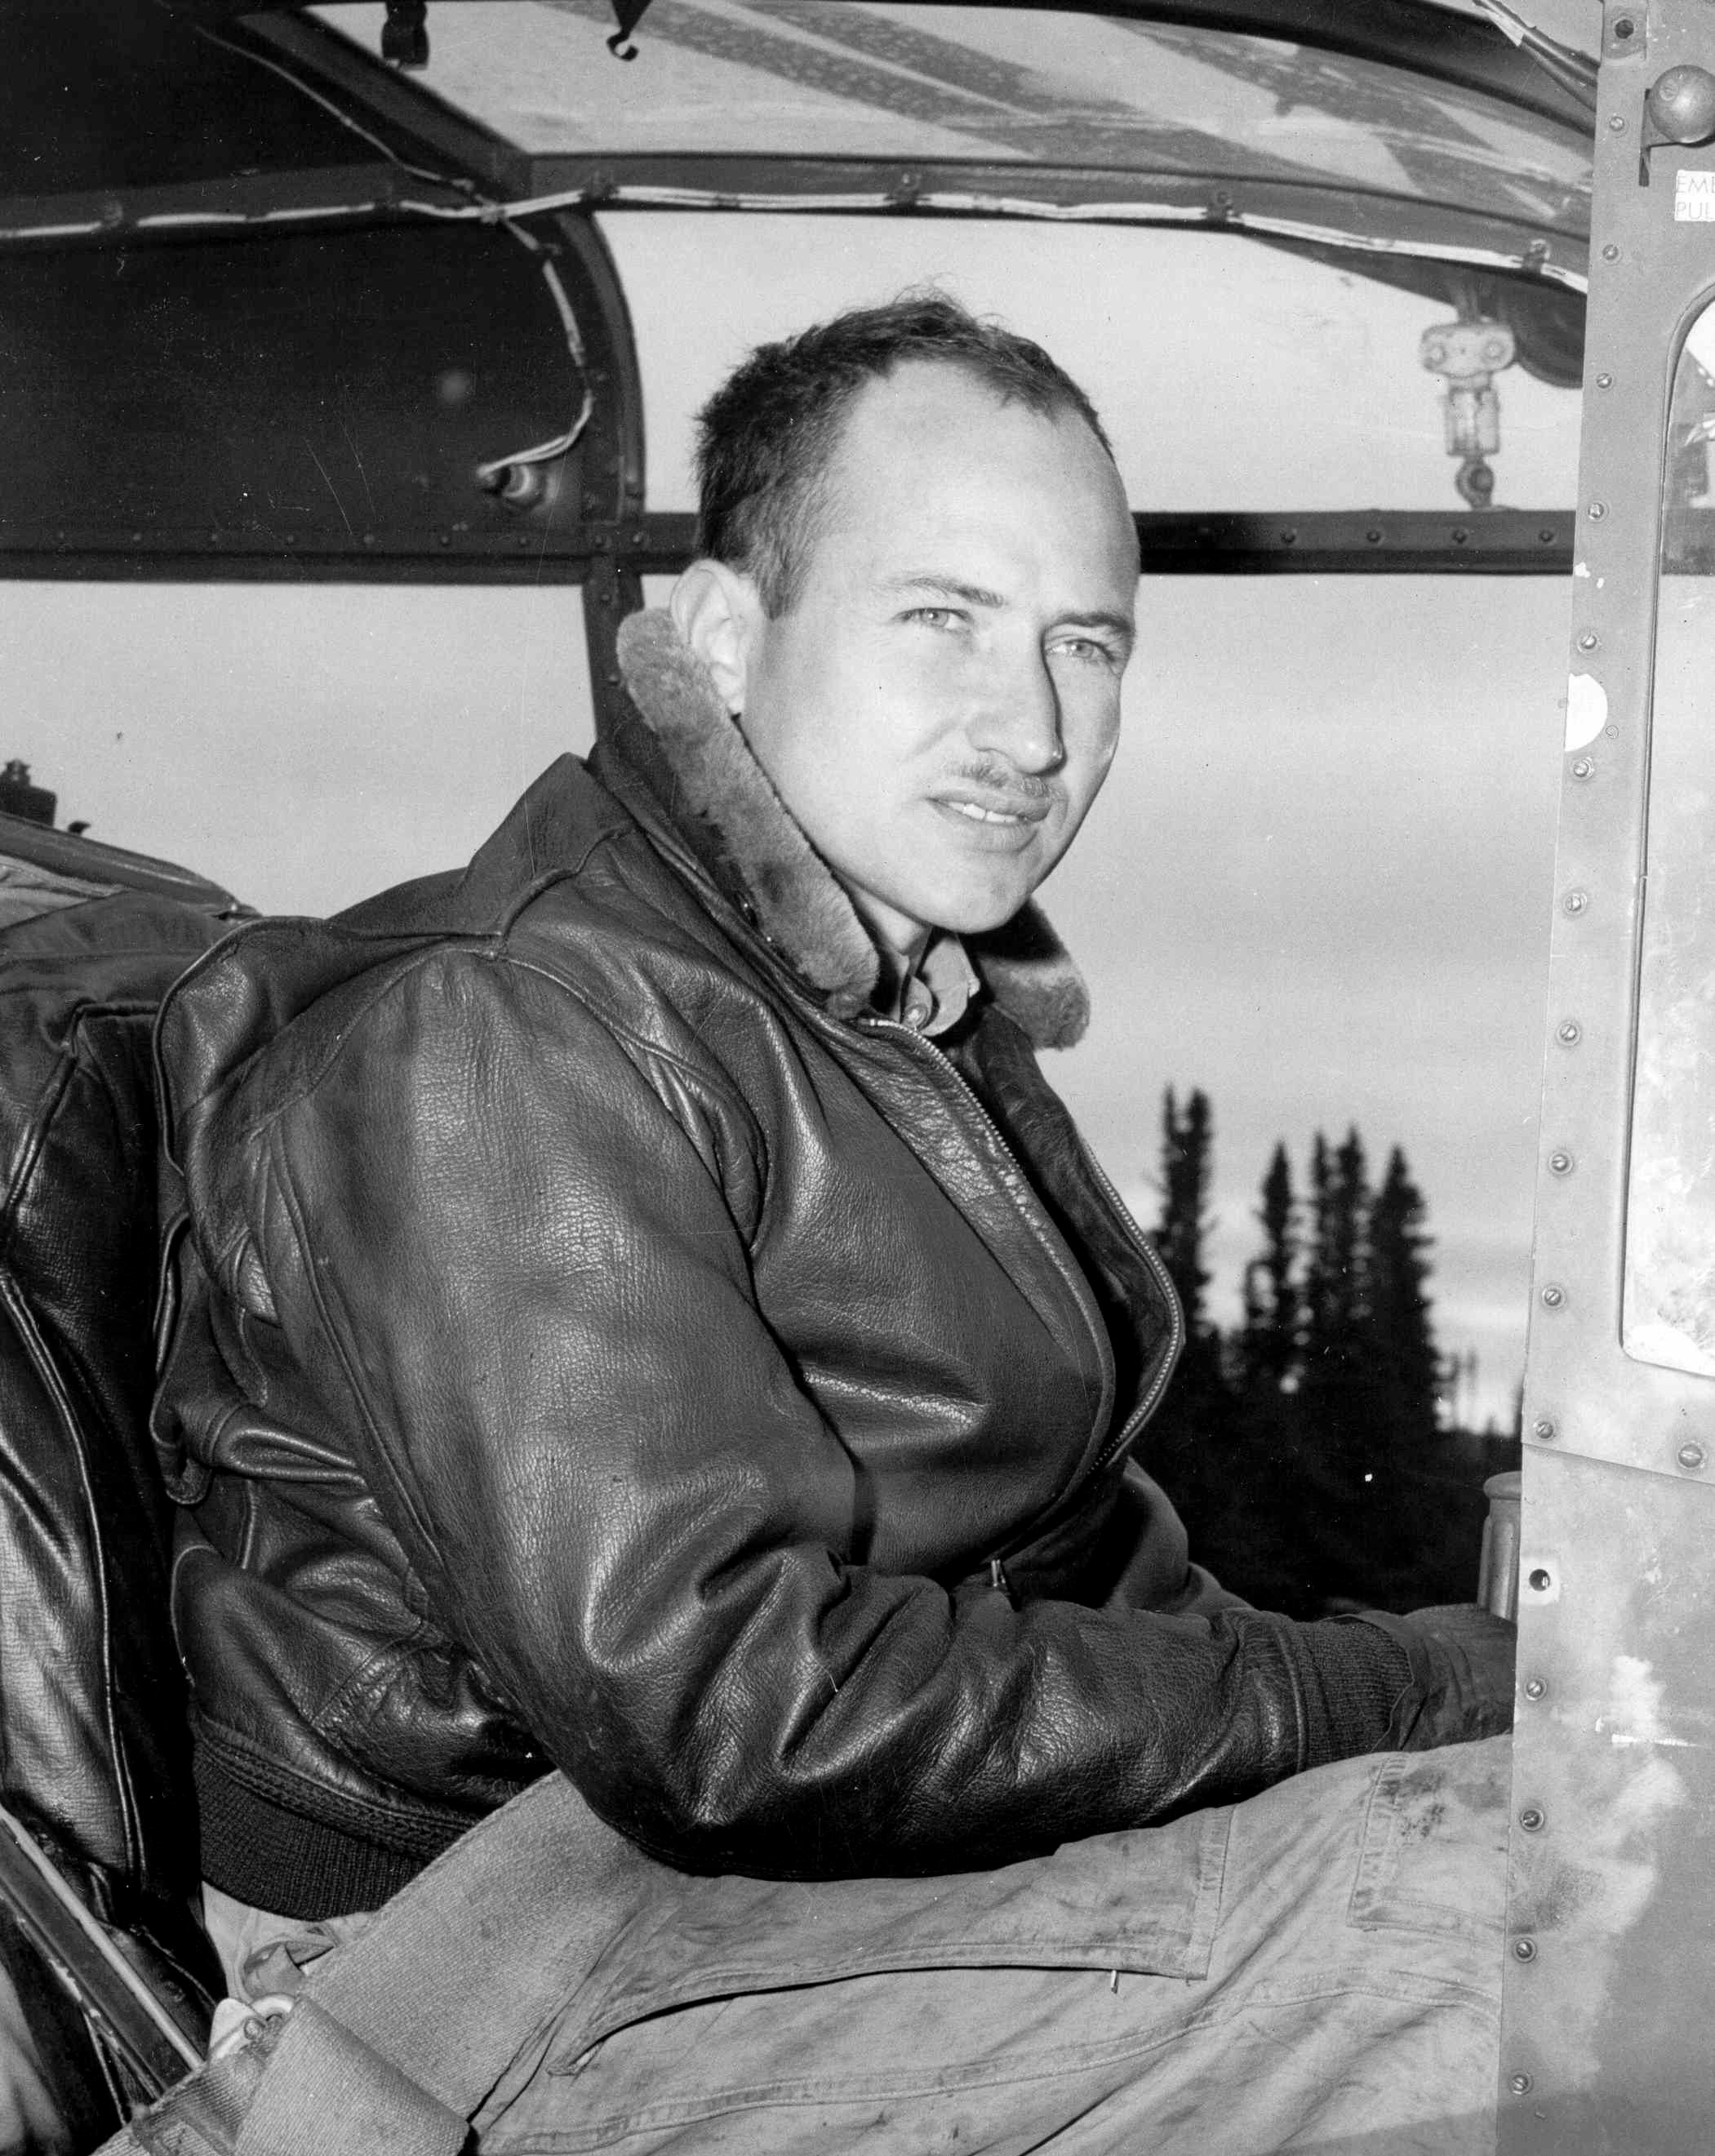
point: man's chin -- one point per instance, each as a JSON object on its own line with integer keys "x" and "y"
{"x": 961, "y": 914}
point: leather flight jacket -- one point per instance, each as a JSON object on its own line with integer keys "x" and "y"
{"x": 596, "y": 1339}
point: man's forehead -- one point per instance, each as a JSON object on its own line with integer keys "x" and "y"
{"x": 932, "y": 436}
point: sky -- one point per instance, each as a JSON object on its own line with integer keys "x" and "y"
{"x": 1317, "y": 885}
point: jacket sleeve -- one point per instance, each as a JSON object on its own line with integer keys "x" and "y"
{"x": 509, "y": 1249}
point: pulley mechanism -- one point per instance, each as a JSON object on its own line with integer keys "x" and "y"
{"x": 1467, "y": 355}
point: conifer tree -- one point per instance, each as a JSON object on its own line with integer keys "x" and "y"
{"x": 1351, "y": 1491}
{"x": 1401, "y": 1341}
{"x": 1190, "y": 1442}
{"x": 1336, "y": 1283}
{"x": 1186, "y": 1165}
{"x": 1268, "y": 1347}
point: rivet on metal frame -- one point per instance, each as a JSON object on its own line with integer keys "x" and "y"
{"x": 1560, "y": 1162}
{"x": 1584, "y": 768}
{"x": 1616, "y": 123}
{"x": 1691, "y": 1457}
{"x": 1575, "y": 901}
{"x": 1531, "y": 1818}
{"x": 1543, "y": 1430}
{"x": 1597, "y": 512}
{"x": 1589, "y": 640}
{"x": 1524, "y": 1949}
{"x": 1605, "y": 381}
{"x": 1535, "y": 1687}
{"x": 1553, "y": 1297}
{"x": 1521, "y": 2084}
{"x": 1568, "y": 1033}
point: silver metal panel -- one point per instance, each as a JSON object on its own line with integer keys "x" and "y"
{"x": 1612, "y": 1921}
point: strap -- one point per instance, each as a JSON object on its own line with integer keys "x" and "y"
{"x": 398, "y": 2037}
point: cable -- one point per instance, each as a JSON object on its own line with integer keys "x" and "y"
{"x": 506, "y": 475}
{"x": 1573, "y": 71}
{"x": 512, "y": 477}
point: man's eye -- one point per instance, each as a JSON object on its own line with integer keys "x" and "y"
{"x": 935, "y": 616}
{"x": 1088, "y": 650}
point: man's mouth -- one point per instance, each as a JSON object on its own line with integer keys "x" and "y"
{"x": 1005, "y": 813}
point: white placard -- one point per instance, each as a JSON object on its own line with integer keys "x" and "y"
{"x": 1693, "y": 198}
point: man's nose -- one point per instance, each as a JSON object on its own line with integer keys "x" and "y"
{"x": 1019, "y": 716}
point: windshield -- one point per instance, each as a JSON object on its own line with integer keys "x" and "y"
{"x": 829, "y": 78}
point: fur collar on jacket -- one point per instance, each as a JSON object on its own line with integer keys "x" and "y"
{"x": 799, "y": 904}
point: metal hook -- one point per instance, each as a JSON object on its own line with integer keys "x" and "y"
{"x": 628, "y": 14}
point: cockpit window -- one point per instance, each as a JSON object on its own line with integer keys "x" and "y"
{"x": 1670, "y": 1245}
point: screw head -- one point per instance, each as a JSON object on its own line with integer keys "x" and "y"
{"x": 1691, "y": 1457}
{"x": 1560, "y": 1162}
{"x": 1589, "y": 640}
{"x": 1610, "y": 252}
{"x": 1543, "y": 1430}
{"x": 1524, "y": 1949}
{"x": 1521, "y": 2084}
{"x": 1553, "y": 1298}
{"x": 1605, "y": 381}
{"x": 1535, "y": 1687}
{"x": 1531, "y": 1818}
{"x": 1575, "y": 901}
{"x": 1616, "y": 123}
{"x": 1568, "y": 1033}
{"x": 1598, "y": 510}
{"x": 1584, "y": 768}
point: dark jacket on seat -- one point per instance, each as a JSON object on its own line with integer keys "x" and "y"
{"x": 95, "y": 1758}
{"x": 603, "y": 1343}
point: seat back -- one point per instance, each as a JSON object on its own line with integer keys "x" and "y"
{"x": 93, "y": 1756}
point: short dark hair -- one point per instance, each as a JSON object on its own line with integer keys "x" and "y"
{"x": 767, "y": 437}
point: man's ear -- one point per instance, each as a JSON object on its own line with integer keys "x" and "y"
{"x": 716, "y": 610}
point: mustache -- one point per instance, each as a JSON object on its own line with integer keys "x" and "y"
{"x": 998, "y": 776}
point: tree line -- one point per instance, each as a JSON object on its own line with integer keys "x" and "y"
{"x": 1306, "y": 1448}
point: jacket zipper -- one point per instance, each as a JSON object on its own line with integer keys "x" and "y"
{"x": 1176, "y": 1316}
{"x": 1176, "y": 1323}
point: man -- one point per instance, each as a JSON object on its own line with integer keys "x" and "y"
{"x": 646, "y": 1316}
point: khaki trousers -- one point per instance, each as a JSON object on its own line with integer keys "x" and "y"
{"x": 1316, "y": 1971}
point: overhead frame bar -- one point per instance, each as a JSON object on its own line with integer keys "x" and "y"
{"x": 1172, "y": 543}
{"x": 1302, "y": 213}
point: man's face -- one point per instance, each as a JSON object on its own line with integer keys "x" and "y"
{"x": 940, "y": 707}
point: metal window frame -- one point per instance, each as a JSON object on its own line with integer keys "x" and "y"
{"x": 1610, "y": 1939}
